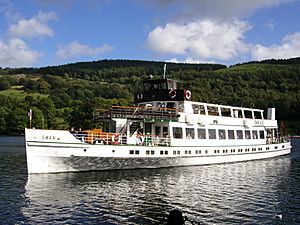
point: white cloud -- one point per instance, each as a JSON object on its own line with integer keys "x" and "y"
{"x": 16, "y": 53}
{"x": 35, "y": 27}
{"x": 188, "y": 61}
{"x": 76, "y": 49}
{"x": 201, "y": 40}
{"x": 290, "y": 47}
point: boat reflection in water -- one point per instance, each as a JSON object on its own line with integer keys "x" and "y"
{"x": 247, "y": 192}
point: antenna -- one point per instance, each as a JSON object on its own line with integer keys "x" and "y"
{"x": 165, "y": 68}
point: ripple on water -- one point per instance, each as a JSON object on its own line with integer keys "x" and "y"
{"x": 240, "y": 193}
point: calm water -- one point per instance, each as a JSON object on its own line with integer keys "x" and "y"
{"x": 241, "y": 193}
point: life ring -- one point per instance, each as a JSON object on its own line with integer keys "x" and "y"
{"x": 139, "y": 96}
{"x": 139, "y": 139}
{"x": 115, "y": 139}
{"x": 187, "y": 94}
{"x": 172, "y": 93}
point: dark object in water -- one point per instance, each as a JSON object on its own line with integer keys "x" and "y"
{"x": 175, "y": 218}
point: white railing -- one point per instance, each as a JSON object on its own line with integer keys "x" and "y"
{"x": 121, "y": 139}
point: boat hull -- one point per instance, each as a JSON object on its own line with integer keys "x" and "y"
{"x": 55, "y": 156}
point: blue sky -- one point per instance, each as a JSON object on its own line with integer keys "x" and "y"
{"x": 53, "y": 32}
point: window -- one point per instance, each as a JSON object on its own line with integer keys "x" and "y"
{"x": 196, "y": 109}
{"x": 201, "y": 133}
{"x": 180, "y": 107}
{"x": 226, "y": 112}
{"x": 152, "y": 152}
{"x": 202, "y": 109}
{"x": 213, "y": 110}
{"x": 230, "y": 134}
{"x": 222, "y": 134}
{"x": 157, "y": 131}
{"x": 160, "y": 105}
{"x": 212, "y": 134}
{"x": 166, "y": 152}
{"x": 254, "y": 134}
{"x": 262, "y": 134}
{"x": 247, "y": 134}
{"x": 177, "y": 132}
{"x": 237, "y": 113}
{"x": 165, "y": 131}
{"x": 257, "y": 115}
{"x": 239, "y": 134}
{"x": 190, "y": 133}
{"x": 137, "y": 152}
{"x": 248, "y": 114}
{"x": 147, "y": 152}
{"x": 178, "y": 152}
{"x": 174, "y": 152}
{"x": 161, "y": 152}
{"x": 206, "y": 151}
{"x": 131, "y": 152}
{"x": 171, "y": 105}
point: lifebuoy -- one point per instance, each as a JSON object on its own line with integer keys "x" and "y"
{"x": 139, "y": 96}
{"x": 172, "y": 93}
{"x": 115, "y": 139}
{"x": 188, "y": 94}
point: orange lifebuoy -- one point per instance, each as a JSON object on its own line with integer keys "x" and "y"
{"x": 172, "y": 93}
{"x": 188, "y": 94}
{"x": 115, "y": 139}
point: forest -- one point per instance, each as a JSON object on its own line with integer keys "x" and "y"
{"x": 66, "y": 96}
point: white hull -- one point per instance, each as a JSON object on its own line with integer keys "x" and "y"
{"x": 61, "y": 152}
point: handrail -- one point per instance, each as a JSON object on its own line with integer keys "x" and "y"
{"x": 144, "y": 107}
{"x": 105, "y": 138}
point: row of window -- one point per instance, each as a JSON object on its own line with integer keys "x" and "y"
{"x": 212, "y": 110}
{"x": 221, "y": 133}
{"x": 199, "y": 152}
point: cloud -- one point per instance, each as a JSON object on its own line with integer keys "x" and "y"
{"x": 188, "y": 61}
{"x": 34, "y": 27}
{"x": 76, "y": 49}
{"x": 290, "y": 47}
{"x": 200, "y": 40}
{"x": 16, "y": 53}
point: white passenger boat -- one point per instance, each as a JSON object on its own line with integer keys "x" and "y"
{"x": 165, "y": 128}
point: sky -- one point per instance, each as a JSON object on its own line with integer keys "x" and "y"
{"x": 37, "y": 33}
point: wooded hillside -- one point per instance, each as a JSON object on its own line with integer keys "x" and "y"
{"x": 65, "y": 96}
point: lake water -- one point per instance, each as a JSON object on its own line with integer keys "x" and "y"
{"x": 238, "y": 193}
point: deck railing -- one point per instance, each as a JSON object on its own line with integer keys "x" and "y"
{"x": 121, "y": 139}
{"x": 137, "y": 113}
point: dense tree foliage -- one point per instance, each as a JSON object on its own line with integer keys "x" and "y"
{"x": 69, "y": 94}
